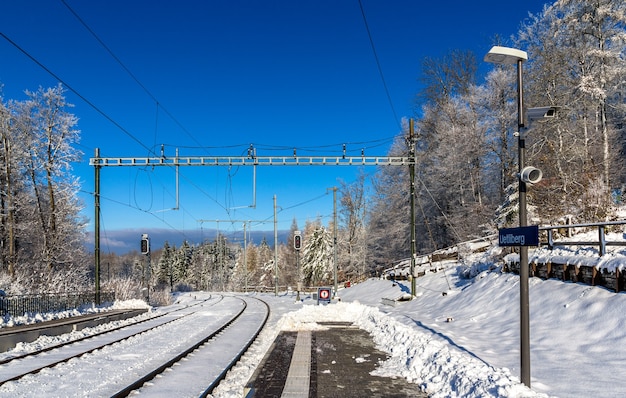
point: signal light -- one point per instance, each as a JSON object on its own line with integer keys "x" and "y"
{"x": 297, "y": 242}
{"x": 145, "y": 244}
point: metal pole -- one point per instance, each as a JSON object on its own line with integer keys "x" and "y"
{"x": 412, "y": 200}
{"x": 523, "y": 221}
{"x": 275, "y": 250}
{"x": 148, "y": 274}
{"x": 245, "y": 263}
{"x": 335, "y": 235}
{"x": 96, "y": 247}
{"x": 298, "y": 267}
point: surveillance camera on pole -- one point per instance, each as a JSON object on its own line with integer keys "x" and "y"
{"x": 531, "y": 175}
{"x": 542, "y": 112}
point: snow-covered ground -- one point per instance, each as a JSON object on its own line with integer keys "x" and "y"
{"x": 466, "y": 343}
{"x": 460, "y": 337}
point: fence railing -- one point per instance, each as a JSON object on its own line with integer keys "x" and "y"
{"x": 36, "y": 303}
{"x": 289, "y": 289}
{"x": 401, "y": 267}
{"x": 601, "y": 243}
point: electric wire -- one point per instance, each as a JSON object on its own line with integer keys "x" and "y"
{"x": 156, "y": 125}
{"x": 129, "y": 134}
{"x": 440, "y": 209}
{"x": 271, "y": 147}
{"x": 139, "y": 83}
{"x": 305, "y": 202}
{"x": 135, "y": 184}
{"x": 380, "y": 69}
{"x": 294, "y": 206}
{"x": 79, "y": 95}
{"x": 118, "y": 202}
{"x": 131, "y": 74}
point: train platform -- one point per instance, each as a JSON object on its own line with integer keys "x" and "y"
{"x": 336, "y": 362}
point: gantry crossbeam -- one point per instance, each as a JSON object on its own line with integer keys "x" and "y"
{"x": 255, "y": 161}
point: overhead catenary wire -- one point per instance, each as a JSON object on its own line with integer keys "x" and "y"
{"x": 131, "y": 74}
{"x": 79, "y": 95}
{"x": 380, "y": 69}
{"x": 351, "y": 147}
{"x": 88, "y": 102}
{"x": 118, "y": 202}
{"x": 110, "y": 119}
{"x": 263, "y": 220}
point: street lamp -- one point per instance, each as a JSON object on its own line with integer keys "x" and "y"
{"x": 506, "y": 55}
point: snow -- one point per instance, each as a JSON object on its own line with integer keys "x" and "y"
{"x": 460, "y": 337}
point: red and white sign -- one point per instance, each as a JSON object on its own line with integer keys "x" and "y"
{"x": 323, "y": 294}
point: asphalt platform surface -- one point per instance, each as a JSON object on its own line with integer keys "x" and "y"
{"x": 342, "y": 359}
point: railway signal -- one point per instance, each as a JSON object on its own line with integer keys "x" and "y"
{"x": 297, "y": 240}
{"x": 145, "y": 244}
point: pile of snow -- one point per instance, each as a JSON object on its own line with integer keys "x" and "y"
{"x": 414, "y": 354}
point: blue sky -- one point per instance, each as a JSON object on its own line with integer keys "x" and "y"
{"x": 213, "y": 77}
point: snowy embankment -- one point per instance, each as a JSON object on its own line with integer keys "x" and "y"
{"x": 466, "y": 342}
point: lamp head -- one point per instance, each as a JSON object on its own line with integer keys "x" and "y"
{"x": 505, "y": 55}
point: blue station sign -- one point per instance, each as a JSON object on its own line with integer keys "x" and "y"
{"x": 520, "y": 236}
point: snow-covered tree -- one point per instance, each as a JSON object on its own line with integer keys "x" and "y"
{"x": 164, "y": 266}
{"x": 43, "y": 233}
{"x": 498, "y": 107}
{"x": 266, "y": 263}
{"x": 352, "y": 250}
{"x": 182, "y": 262}
{"x": 576, "y": 61}
{"x": 48, "y": 132}
{"x": 317, "y": 255}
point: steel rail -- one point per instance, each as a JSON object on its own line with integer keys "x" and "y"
{"x": 66, "y": 359}
{"x": 222, "y": 376}
{"x": 137, "y": 384}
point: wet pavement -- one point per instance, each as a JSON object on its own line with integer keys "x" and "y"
{"x": 341, "y": 360}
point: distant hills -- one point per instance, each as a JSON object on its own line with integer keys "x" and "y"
{"x": 128, "y": 240}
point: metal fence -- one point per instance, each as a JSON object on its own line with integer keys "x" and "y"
{"x": 40, "y": 303}
{"x": 601, "y": 243}
{"x": 400, "y": 270}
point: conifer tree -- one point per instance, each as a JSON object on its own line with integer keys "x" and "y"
{"x": 317, "y": 255}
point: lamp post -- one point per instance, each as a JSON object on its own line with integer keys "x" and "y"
{"x": 506, "y": 55}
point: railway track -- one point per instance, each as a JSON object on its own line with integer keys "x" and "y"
{"x": 149, "y": 359}
{"x": 29, "y": 333}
